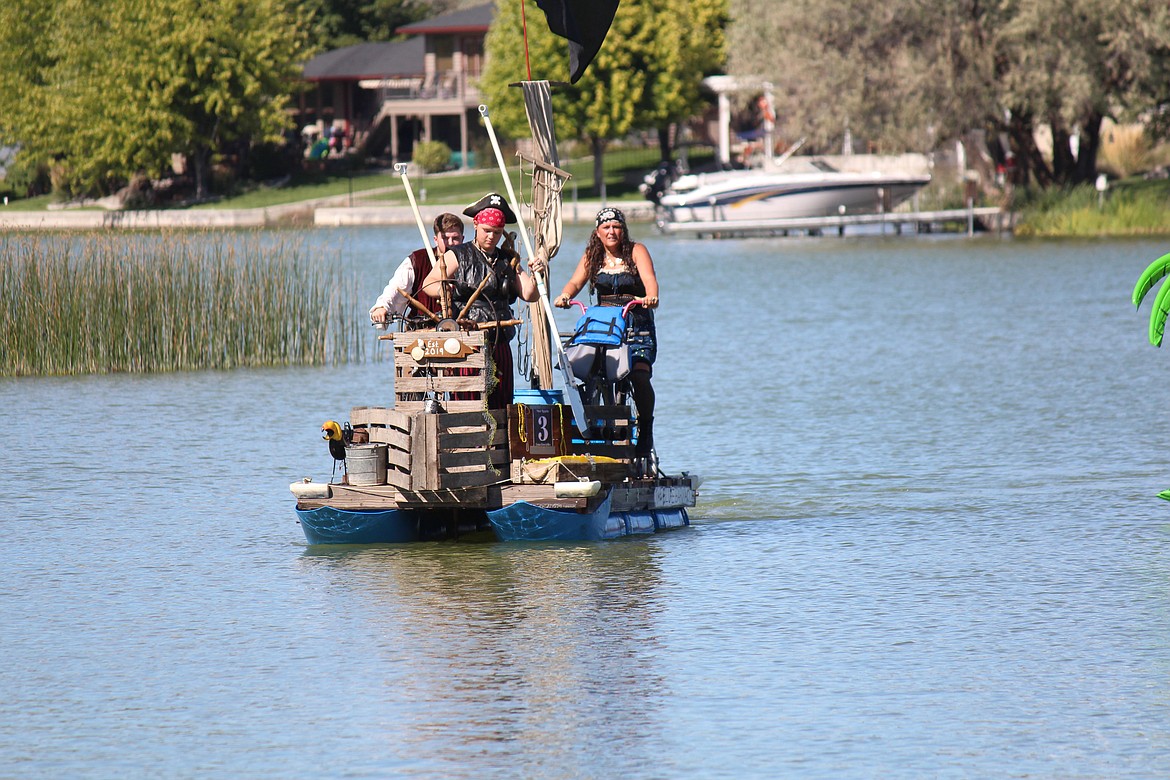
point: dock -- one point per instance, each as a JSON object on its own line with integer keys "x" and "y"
{"x": 970, "y": 220}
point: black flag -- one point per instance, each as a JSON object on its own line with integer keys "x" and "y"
{"x": 584, "y": 23}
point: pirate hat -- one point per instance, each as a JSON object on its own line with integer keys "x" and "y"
{"x": 493, "y": 200}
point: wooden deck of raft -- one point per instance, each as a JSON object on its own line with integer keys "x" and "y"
{"x": 470, "y": 457}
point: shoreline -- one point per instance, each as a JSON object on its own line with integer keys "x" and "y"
{"x": 287, "y": 215}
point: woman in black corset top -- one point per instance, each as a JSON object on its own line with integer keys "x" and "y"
{"x": 619, "y": 271}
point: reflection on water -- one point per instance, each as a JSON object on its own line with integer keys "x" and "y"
{"x": 491, "y": 644}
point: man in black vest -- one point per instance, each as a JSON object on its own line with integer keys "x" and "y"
{"x": 480, "y": 265}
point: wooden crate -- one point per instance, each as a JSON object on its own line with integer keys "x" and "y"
{"x": 458, "y": 450}
{"x": 438, "y": 452}
{"x": 611, "y": 433}
{"x": 442, "y": 364}
{"x": 539, "y": 430}
{"x": 392, "y": 428}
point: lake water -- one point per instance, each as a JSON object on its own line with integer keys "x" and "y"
{"x": 928, "y": 545}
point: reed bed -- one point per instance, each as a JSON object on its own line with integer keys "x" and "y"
{"x": 172, "y": 302}
{"x": 1128, "y": 209}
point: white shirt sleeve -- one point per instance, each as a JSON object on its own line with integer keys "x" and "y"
{"x": 392, "y": 300}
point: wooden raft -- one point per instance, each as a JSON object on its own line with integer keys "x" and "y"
{"x": 465, "y": 454}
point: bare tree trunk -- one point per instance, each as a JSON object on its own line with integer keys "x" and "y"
{"x": 665, "y": 142}
{"x": 203, "y": 162}
{"x": 199, "y": 162}
{"x": 1030, "y": 163}
{"x": 1086, "y": 169}
{"x": 598, "y": 164}
{"x": 1070, "y": 169}
{"x": 1063, "y": 162}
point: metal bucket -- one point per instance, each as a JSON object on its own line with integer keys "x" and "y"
{"x": 366, "y": 464}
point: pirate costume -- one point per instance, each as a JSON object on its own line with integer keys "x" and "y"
{"x": 617, "y": 288}
{"x": 494, "y": 303}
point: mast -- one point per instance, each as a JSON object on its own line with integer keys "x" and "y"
{"x": 584, "y": 24}
{"x": 548, "y": 182}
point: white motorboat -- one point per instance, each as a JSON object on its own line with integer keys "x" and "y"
{"x": 780, "y": 190}
{"x": 812, "y": 191}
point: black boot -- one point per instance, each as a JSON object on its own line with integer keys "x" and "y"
{"x": 645, "y": 464}
{"x": 644, "y": 403}
{"x": 645, "y": 436}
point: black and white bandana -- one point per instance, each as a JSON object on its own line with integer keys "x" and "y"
{"x": 610, "y": 215}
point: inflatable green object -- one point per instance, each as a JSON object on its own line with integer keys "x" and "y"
{"x": 1165, "y": 494}
{"x": 1151, "y": 276}
{"x": 1159, "y": 314}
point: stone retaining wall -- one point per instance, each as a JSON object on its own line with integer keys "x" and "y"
{"x": 292, "y": 214}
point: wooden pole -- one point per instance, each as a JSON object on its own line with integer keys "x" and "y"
{"x": 400, "y": 169}
{"x": 414, "y": 302}
{"x": 571, "y": 382}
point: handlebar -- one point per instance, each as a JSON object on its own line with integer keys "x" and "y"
{"x": 625, "y": 309}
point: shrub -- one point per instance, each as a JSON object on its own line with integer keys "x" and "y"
{"x": 27, "y": 177}
{"x": 432, "y": 156}
{"x": 271, "y": 160}
{"x": 1130, "y": 208}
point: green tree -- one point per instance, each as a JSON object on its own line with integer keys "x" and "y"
{"x": 341, "y": 23}
{"x": 646, "y": 75}
{"x": 906, "y": 71}
{"x": 109, "y": 90}
{"x": 844, "y": 64}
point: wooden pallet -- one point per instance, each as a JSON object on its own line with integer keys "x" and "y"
{"x": 426, "y": 363}
{"x": 611, "y": 433}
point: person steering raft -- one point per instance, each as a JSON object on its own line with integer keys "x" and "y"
{"x": 409, "y": 276}
{"x": 485, "y": 280}
{"x": 620, "y": 270}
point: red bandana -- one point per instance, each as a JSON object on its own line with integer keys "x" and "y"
{"x": 490, "y": 217}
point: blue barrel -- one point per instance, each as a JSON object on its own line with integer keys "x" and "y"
{"x": 524, "y": 395}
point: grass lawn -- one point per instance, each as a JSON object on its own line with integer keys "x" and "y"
{"x": 623, "y": 172}
{"x": 624, "y": 169}
{"x": 305, "y": 186}
{"x": 39, "y": 203}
